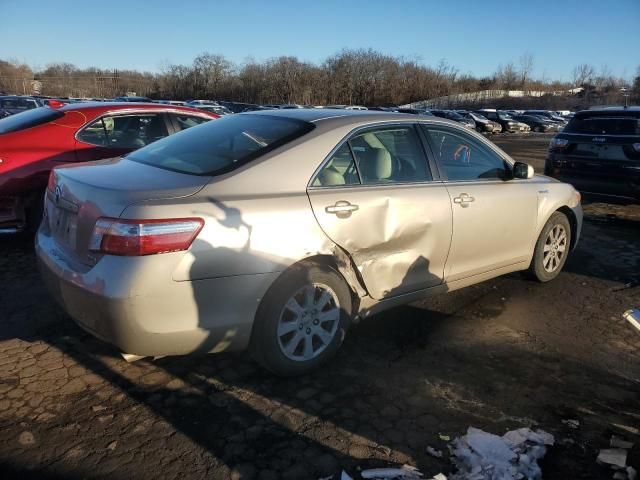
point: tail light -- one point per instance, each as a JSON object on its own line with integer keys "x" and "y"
{"x": 55, "y": 103}
{"x": 558, "y": 144}
{"x": 116, "y": 236}
{"x": 51, "y": 184}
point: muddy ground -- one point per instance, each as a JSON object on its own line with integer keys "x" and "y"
{"x": 500, "y": 355}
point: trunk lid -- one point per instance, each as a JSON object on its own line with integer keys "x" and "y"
{"x": 78, "y": 195}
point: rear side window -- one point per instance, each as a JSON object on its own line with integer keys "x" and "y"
{"x": 378, "y": 156}
{"x": 29, "y": 119}
{"x": 187, "y": 121}
{"x": 604, "y": 125}
{"x": 339, "y": 170}
{"x": 124, "y": 131}
{"x": 221, "y": 146}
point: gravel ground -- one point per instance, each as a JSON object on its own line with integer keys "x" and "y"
{"x": 499, "y": 355}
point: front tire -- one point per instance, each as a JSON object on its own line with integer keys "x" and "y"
{"x": 302, "y": 320}
{"x": 552, "y": 248}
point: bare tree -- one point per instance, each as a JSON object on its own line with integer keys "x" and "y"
{"x": 583, "y": 75}
{"x": 526, "y": 69}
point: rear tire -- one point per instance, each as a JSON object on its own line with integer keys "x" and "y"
{"x": 551, "y": 249}
{"x": 302, "y": 320}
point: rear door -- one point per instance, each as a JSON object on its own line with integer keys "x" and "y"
{"x": 116, "y": 134}
{"x": 376, "y": 198}
{"x": 493, "y": 217}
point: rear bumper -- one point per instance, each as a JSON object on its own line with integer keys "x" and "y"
{"x": 620, "y": 187}
{"x": 174, "y": 318}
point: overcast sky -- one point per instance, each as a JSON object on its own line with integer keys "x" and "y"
{"x": 475, "y": 36}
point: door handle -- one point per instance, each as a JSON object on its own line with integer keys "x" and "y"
{"x": 463, "y": 199}
{"x": 341, "y": 208}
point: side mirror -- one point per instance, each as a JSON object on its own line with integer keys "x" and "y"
{"x": 522, "y": 170}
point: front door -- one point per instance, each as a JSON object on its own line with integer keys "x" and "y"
{"x": 494, "y": 216}
{"x": 375, "y": 198}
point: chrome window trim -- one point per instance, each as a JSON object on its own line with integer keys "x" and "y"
{"x": 132, "y": 111}
{"x": 125, "y": 113}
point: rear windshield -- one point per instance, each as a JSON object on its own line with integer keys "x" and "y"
{"x": 28, "y": 119}
{"x": 221, "y": 145}
{"x": 604, "y": 125}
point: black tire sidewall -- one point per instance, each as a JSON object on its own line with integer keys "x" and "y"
{"x": 264, "y": 340}
{"x": 537, "y": 263}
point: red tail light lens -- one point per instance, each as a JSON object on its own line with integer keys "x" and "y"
{"x": 115, "y": 236}
{"x": 558, "y": 144}
{"x": 51, "y": 184}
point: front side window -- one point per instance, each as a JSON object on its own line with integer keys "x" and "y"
{"x": 124, "y": 131}
{"x": 464, "y": 158}
{"x": 187, "y": 121}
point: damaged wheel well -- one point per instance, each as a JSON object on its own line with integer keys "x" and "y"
{"x": 342, "y": 264}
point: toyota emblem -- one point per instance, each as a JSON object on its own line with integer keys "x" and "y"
{"x": 57, "y": 193}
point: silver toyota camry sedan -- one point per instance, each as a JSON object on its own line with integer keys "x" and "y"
{"x": 272, "y": 230}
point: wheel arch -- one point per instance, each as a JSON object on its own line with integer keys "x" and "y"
{"x": 573, "y": 223}
{"x": 340, "y": 262}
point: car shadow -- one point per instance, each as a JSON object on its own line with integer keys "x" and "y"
{"x": 401, "y": 378}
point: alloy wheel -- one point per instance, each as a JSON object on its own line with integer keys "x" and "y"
{"x": 308, "y": 322}
{"x": 555, "y": 248}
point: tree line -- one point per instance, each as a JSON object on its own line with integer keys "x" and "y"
{"x": 358, "y": 77}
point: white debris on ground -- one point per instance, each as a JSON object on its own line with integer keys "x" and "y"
{"x": 616, "y": 458}
{"x": 571, "y": 423}
{"x": 406, "y": 472}
{"x": 633, "y": 317}
{"x": 434, "y": 452}
{"x": 480, "y": 455}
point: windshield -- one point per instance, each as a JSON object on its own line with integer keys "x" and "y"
{"x": 604, "y": 126}
{"x": 477, "y": 116}
{"x": 28, "y": 119}
{"x": 222, "y": 145}
{"x": 504, "y": 116}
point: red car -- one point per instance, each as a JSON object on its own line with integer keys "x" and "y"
{"x": 35, "y": 141}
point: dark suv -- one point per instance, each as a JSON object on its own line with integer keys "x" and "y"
{"x": 599, "y": 152}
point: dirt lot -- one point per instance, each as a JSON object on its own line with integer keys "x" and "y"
{"x": 500, "y": 355}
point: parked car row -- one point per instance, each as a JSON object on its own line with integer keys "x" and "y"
{"x": 483, "y": 120}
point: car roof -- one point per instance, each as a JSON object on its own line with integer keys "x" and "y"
{"x": 633, "y": 111}
{"x": 319, "y": 114}
{"x": 353, "y": 118}
{"x": 105, "y": 106}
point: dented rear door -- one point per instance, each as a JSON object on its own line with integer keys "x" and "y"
{"x": 398, "y": 237}
{"x": 375, "y": 197}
